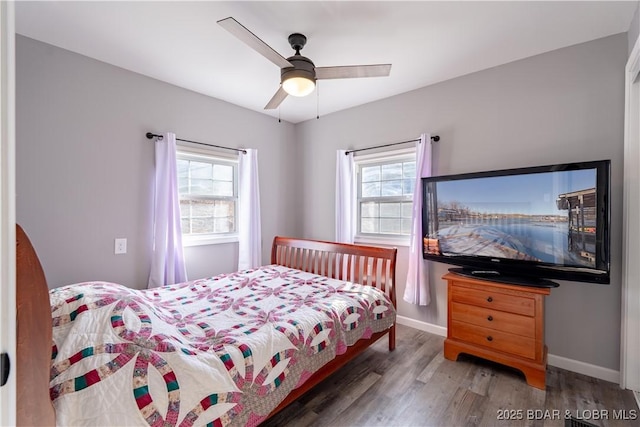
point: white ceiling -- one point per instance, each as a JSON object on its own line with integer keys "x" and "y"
{"x": 427, "y": 42}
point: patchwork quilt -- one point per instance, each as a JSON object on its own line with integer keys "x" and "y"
{"x": 219, "y": 351}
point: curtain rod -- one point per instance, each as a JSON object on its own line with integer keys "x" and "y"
{"x": 434, "y": 138}
{"x": 151, "y": 135}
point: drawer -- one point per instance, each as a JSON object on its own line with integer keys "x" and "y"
{"x": 495, "y": 340}
{"x": 494, "y": 319}
{"x": 493, "y": 299}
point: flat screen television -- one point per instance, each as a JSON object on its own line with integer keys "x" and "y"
{"x": 524, "y": 225}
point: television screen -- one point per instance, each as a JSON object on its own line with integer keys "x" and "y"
{"x": 543, "y": 222}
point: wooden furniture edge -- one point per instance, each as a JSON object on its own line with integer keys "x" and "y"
{"x": 362, "y": 344}
{"x": 534, "y": 373}
{"x": 34, "y": 338}
{"x": 330, "y": 368}
{"x": 501, "y": 285}
{"x": 534, "y": 370}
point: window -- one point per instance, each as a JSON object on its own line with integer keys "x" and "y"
{"x": 385, "y": 194}
{"x": 208, "y": 191}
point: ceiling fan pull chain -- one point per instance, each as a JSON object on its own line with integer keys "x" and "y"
{"x": 279, "y": 121}
{"x": 317, "y": 100}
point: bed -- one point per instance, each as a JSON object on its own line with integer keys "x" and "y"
{"x": 233, "y": 349}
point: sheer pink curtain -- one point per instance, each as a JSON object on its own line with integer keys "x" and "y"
{"x": 167, "y": 261}
{"x": 345, "y": 197}
{"x": 417, "y": 287}
{"x": 249, "y": 229}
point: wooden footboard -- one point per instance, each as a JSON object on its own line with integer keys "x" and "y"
{"x": 34, "y": 333}
{"x": 366, "y": 265}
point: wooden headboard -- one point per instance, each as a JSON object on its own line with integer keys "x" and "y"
{"x": 366, "y": 265}
{"x": 34, "y": 340}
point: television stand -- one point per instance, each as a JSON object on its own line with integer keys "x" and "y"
{"x": 499, "y": 322}
{"x": 496, "y": 276}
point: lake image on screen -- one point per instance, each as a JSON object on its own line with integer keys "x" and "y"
{"x": 544, "y": 217}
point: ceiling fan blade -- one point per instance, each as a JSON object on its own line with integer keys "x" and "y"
{"x": 253, "y": 41}
{"x": 277, "y": 99}
{"x": 352, "y": 71}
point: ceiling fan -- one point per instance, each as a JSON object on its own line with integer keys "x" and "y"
{"x": 298, "y": 74}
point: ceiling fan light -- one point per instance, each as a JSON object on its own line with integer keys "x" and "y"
{"x": 298, "y": 86}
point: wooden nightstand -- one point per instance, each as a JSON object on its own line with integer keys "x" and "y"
{"x": 499, "y": 322}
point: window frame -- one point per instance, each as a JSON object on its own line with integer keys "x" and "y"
{"x": 383, "y": 157}
{"x": 184, "y": 152}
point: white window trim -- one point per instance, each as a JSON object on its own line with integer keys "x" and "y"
{"x": 188, "y": 151}
{"x": 366, "y": 239}
{"x": 384, "y": 155}
{"x": 208, "y": 239}
{"x": 364, "y": 159}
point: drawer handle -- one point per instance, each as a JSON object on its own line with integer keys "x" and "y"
{"x": 489, "y": 299}
{"x": 489, "y": 338}
{"x": 490, "y": 318}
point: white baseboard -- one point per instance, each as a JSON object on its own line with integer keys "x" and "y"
{"x": 422, "y": 326}
{"x": 584, "y": 368}
{"x": 553, "y": 360}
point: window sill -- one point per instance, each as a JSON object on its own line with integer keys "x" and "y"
{"x": 188, "y": 241}
{"x": 380, "y": 240}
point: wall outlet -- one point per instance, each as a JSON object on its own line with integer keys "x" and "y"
{"x": 120, "y": 246}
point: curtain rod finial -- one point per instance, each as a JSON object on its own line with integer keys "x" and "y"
{"x": 435, "y": 138}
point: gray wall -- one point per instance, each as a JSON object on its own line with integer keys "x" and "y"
{"x": 562, "y": 106}
{"x": 634, "y": 28}
{"x": 85, "y": 169}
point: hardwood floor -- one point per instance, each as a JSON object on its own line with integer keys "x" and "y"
{"x": 415, "y": 386}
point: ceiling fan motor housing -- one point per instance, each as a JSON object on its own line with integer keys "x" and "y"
{"x": 297, "y": 73}
{"x": 302, "y": 67}
{"x": 297, "y": 42}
